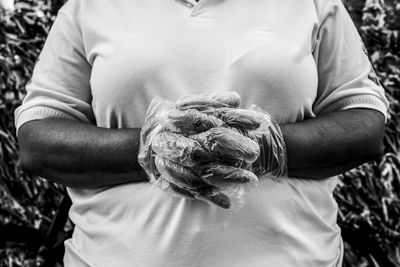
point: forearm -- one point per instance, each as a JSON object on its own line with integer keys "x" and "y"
{"x": 79, "y": 155}
{"x": 333, "y": 143}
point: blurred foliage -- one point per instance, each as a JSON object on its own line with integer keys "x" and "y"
{"x": 368, "y": 196}
{"x": 27, "y": 202}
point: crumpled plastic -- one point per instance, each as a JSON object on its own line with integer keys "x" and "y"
{"x": 214, "y": 145}
{"x": 261, "y": 127}
{"x": 205, "y": 147}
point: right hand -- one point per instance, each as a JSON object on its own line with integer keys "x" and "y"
{"x": 204, "y": 181}
{"x": 253, "y": 123}
{"x": 184, "y": 164}
{"x": 160, "y": 108}
{"x": 214, "y": 145}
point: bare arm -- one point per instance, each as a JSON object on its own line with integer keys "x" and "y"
{"x": 81, "y": 155}
{"x": 333, "y": 143}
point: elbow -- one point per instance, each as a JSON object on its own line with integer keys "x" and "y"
{"x": 376, "y": 149}
{"x": 373, "y": 132}
{"x": 32, "y": 164}
{"x": 39, "y": 156}
{"x": 28, "y": 161}
{"x": 374, "y": 146}
{"x": 29, "y": 158}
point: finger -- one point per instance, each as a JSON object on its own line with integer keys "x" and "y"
{"x": 216, "y": 144}
{"x": 238, "y": 118}
{"x": 185, "y": 183}
{"x": 174, "y": 190}
{"x": 213, "y": 195}
{"x": 180, "y": 192}
{"x": 231, "y": 98}
{"x": 189, "y": 122}
{"x": 207, "y": 194}
{"x": 199, "y": 102}
{"x": 223, "y": 176}
{"x": 205, "y": 102}
{"x": 178, "y": 175}
{"x": 224, "y": 143}
{"x": 180, "y": 149}
{"x": 264, "y": 159}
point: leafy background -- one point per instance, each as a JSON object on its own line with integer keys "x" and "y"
{"x": 368, "y": 196}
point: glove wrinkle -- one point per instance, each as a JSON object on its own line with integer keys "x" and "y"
{"x": 205, "y": 147}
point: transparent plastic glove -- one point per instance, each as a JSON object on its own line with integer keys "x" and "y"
{"x": 215, "y": 183}
{"x": 157, "y": 114}
{"x": 216, "y": 144}
{"x": 225, "y": 184}
{"x": 209, "y": 101}
{"x": 146, "y": 155}
{"x": 190, "y": 115}
{"x": 209, "y": 158}
{"x": 223, "y": 176}
{"x": 188, "y": 122}
{"x": 261, "y": 127}
{"x": 150, "y": 129}
{"x": 272, "y": 161}
{"x": 253, "y": 123}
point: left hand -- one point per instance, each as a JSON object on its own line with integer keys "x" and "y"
{"x": 262, "y": 128}
{"x": 254, "y": 123}
{"x": 205, "y": 181}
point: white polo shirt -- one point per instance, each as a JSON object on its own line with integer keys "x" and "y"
{"x": 104, "y": 61}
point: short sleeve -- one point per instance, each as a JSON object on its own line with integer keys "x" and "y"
{"x": 60, "y": 83}
{"x": 346, "y": 78}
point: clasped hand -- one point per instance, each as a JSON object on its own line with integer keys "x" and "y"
{"x": 205, "y": 147}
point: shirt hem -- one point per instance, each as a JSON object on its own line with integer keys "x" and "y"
{"x": 359, "y": 101}
{"x": 39, "y": 113}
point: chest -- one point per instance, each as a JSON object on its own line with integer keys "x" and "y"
{"x": 262, "y": 50}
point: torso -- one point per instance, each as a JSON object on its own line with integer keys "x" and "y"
{"x": 263, "y": 50}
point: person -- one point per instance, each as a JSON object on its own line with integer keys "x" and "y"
{"x": 103, "y": 62}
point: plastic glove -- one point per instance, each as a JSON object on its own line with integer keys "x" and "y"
{"x": 188, "y": 122}
{"x": 259, "y": 126}
{"x": 203, "y": 165}
{"x": 216, "y": 144}
{"x": 157, "y": 114}
{"x": 216, "y": 183}
{"x": 150, "y": 129}
{"x": 272, "y": 161}
{"x": 209, "y": 101}
{"x": 210, "y": 192}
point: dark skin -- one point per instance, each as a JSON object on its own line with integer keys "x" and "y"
{"x": 80, "y": 155}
